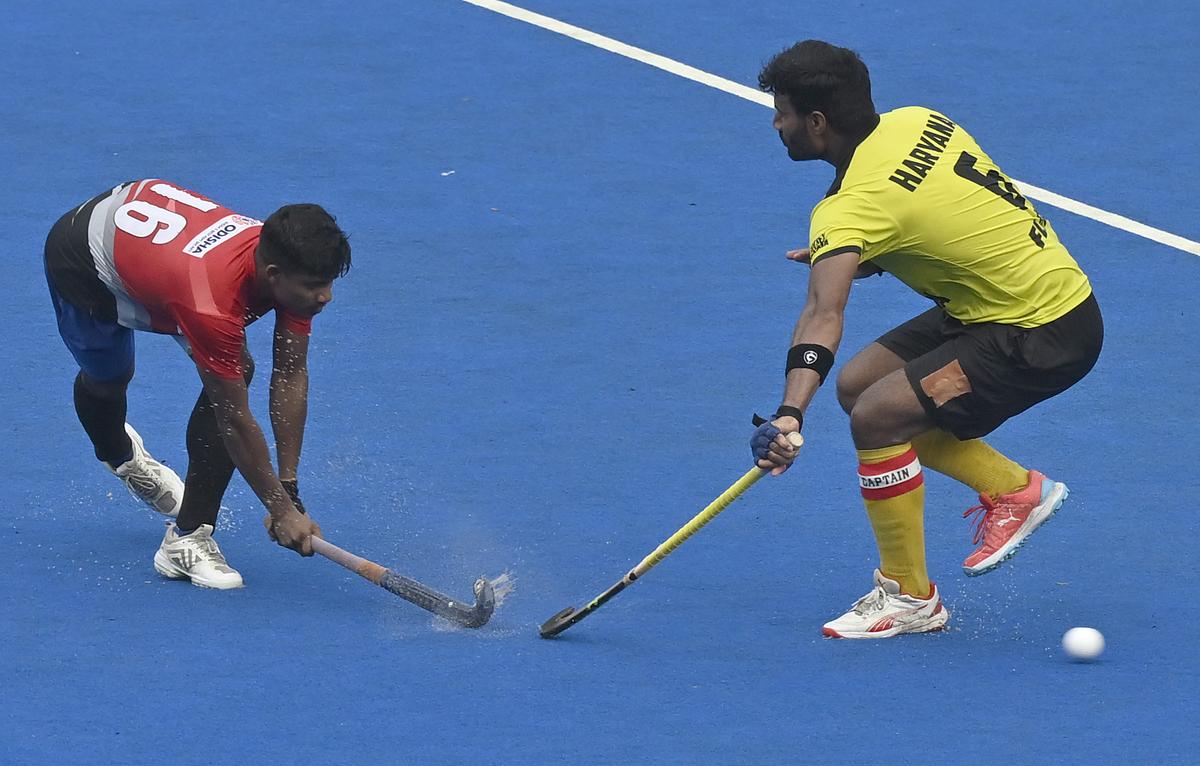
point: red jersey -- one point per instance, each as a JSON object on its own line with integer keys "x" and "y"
{"x": 181, "y": 264}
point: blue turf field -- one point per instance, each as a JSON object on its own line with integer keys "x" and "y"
{"x": 569, "y": 293}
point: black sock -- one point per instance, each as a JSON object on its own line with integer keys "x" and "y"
{"x": 103, "y": 417}
{"x": 209, "y": 468}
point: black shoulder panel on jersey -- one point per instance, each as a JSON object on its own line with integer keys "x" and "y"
{"x": 837, "y": 251}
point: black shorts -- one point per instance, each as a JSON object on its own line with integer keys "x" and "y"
{"x": 70, "y": 268}
{"x": 85, "y": 309}
{"x": 972, "y": 377}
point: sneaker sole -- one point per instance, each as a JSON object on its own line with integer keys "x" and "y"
{"x": 1010, "y": 550}
{"x": 165, "y": 567}
{"x": 936, "y": 623}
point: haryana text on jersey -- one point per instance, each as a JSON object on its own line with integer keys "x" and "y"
{"x": 920, "y": 200}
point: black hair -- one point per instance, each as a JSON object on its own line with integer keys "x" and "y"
{"x": 305, "y": 239}
{"x": 818, "y": 77}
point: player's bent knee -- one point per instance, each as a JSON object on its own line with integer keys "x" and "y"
{"x": 874, "y": 424}
{"x": 864, "y": 425}
{"x": 106, "y": 389}
{"x": 850, "y": 385}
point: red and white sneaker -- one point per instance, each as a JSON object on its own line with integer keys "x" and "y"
{"x": 886, "y": 612}
{"x": 1002, "y": 525}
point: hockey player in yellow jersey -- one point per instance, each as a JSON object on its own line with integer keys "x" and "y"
{"x": 1014, "y": 323}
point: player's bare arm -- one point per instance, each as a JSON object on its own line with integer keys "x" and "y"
{"x": 804, "y": 255}
{"x": 820, "y": 324}
{"x": 289, "y": 398}
{"x": 247, "y": 447}
{"x": 821, "y": 320}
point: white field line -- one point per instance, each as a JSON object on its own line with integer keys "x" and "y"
{"x": 758, "y": 97}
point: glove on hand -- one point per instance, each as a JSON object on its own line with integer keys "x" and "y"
{"x": 760, "y": 441}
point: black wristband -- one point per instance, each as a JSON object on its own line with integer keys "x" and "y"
{"x": 788, "y": 411}
{"x": 810, "y": 356}
{"x": 292, "y": 488}
{"x": 785, "y": 410}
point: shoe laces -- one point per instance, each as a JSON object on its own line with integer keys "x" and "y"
{"x": 985, "y": 517}
{"x": 143, "y": 480}
{"x": 981, "y": 518}
{"x": 207, "y": 548}
{"x": 872, "y": 602}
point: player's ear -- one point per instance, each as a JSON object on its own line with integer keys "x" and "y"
{"x": 817, "y": 123}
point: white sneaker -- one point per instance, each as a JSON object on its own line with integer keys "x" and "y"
{"x": 196, "y": 557}
{"x": 149, "y": 480}
{"x": 886, "y": 612}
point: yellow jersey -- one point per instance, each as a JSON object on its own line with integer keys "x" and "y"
{"x": 920, "y": 200}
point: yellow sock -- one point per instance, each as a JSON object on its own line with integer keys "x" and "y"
{"x": 893, "y": 488}
{"x": 972, "y": 462}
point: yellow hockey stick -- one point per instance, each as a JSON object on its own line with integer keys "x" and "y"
{"x": 569, "y": 616}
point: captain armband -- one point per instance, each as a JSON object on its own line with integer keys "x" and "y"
{"x": 810, "y": 356}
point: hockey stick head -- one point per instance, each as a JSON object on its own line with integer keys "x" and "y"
{"x": 460, "y": 613}
{"x": 485, "y": 604}
{"x": 558, "y": 623}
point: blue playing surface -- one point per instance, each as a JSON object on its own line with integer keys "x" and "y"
{"x": 568, "y": 295}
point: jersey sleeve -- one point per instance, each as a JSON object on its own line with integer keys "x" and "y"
{"x": 849, "y": 223}
{"x": 216, "y": 341}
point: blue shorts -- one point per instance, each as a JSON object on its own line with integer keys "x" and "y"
{"x": 103, "y": 348}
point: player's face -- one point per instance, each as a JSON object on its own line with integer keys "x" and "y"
{"x": 301, "y": 294}
{"x": 793, "y": 130}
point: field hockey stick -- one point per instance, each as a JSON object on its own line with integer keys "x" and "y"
{"x": 469, "y": 616}
{"x": 569, "y": 616}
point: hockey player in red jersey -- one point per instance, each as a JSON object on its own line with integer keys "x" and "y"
{"x": 150, "y": 255}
